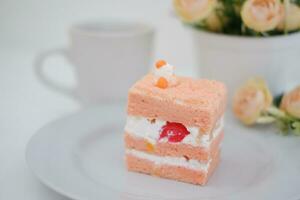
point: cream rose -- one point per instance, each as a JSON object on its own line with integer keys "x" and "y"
{"x": 199, "y": 12}
{"x": 213, "y": 22}
{"x": 251, "y": 100}
{"x": 262, "y": 15}
{"x": 291, "y": 103}
{"x": 291, "y": 19}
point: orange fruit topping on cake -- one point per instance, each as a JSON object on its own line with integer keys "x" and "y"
{"x": 162, "y": 83}
{"x": 160, "y": 63}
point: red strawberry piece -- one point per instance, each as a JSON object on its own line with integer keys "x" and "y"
{"x": 174, "y": 132}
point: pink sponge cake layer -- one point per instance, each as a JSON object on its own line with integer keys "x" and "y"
{"x": 174, "y": 149}
{"x": 179, "y": 173}
{"x": 199, "y": 103}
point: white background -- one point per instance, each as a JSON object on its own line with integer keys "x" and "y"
{"x": 31, "y": 26}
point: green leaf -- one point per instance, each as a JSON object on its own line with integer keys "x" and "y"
{"x": 296, "y": 2}
{"x": 278, "y": 98}
{"x": 295, "y": 126}
{"x": 265, "y": 120}
{"x": 283, "y": 127}
{"x": 277, "y": 113}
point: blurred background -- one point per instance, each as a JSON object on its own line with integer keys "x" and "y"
{"x": 31, "y": 26}
{"x": 35, "y": 25}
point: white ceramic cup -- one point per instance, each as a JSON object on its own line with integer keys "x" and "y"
{"x": 107, "y": 58}
{"x": 233, "y": 59}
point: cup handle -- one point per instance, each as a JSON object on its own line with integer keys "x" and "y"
{"x": 42, "y": 76}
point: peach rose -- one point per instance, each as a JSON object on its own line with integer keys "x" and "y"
{"x": 291, "y": 19}
{"x": 262, "y": 15}
{"x": 201, "y": 12}
{"x": 291, "y": 103}
{"x": 251, "y": 100}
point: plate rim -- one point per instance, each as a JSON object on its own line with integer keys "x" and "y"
{"x": 70, "y": 116}
{"x": 42, "y": 131}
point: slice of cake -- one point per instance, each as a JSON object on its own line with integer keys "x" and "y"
{"x": 174, "y": 126}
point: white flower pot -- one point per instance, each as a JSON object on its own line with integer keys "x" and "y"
{"x": 234, "y": 59}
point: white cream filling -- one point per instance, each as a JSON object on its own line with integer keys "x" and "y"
{"x": 168, "y": 160}
{"x": 144, "y": 128}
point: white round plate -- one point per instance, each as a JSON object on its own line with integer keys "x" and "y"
{"x": 81, "y": 156}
